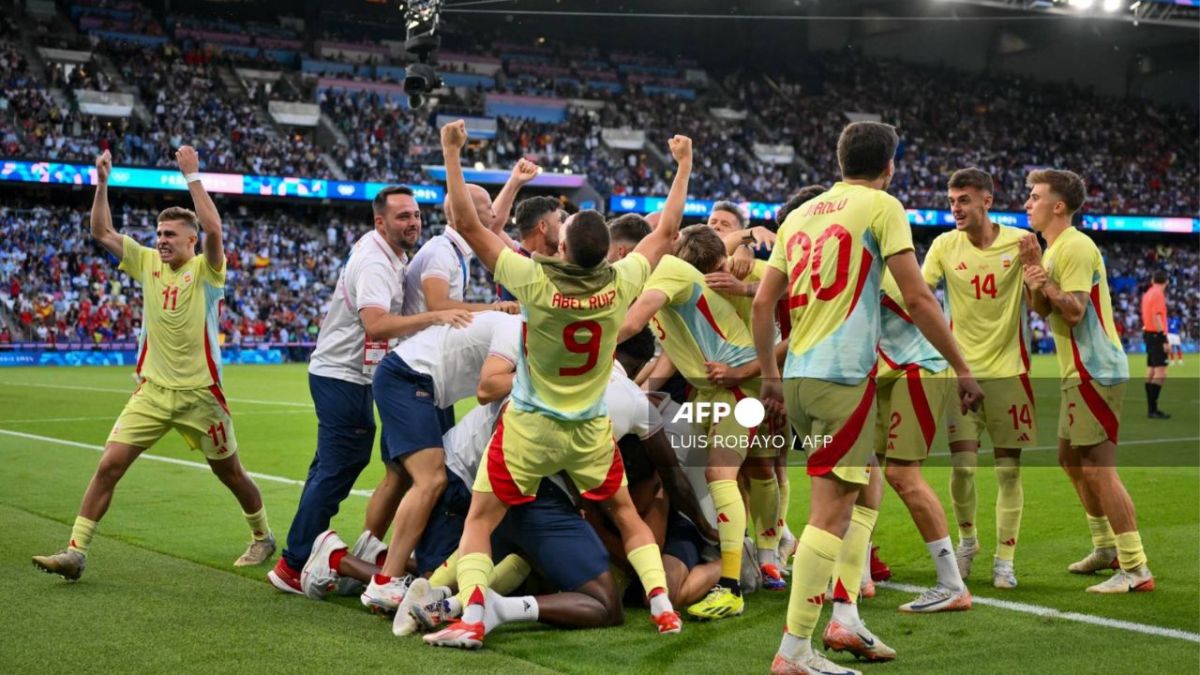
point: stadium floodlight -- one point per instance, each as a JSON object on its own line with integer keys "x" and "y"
{"x": 1083, "y": 5}
{"x": 1111, "y": 6}
{"x": 420, "y": 24}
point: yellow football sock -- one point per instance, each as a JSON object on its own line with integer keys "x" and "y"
{"x": 785, "y": 500}
{"x": 962, "y": 491}
{"x": 81, "y": 534}
{"x": 731, "y": 525}
{"x": 446, "y": 574}
{"x": 259, "y": 528}
{"x": 811, "y": 569}
{"x": 1129, "y": 550}
{"x": 1102, "y": 532}
{"x": 852, "y": 558}
{"x": 1010, "y": 503}
{"x": 509, "y": 573}
{"x": 647, "y": 562}
{"x": 764, "y": 512}
{"x": 474, "y": 571}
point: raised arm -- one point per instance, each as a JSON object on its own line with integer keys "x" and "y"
{"x": 482, "y": 240}
{"x": 659, "y": 242}
{"x": 206, "y": 210}
{"x": 523, "y": 172}
{"x": 102, "y": 227}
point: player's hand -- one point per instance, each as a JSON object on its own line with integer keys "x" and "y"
{"x": 525, "y": 171}
{"x": 724, "y": 282}
{"x": 507, "y": 306}
{"x": 763, "y": 238}
{"x": 187, "y": 159}
{"x": 1029, "y": 250}
{"x": 1035, "y": 277}
{"x": 103, "y": 167}
{"x": 454, "y": 135}
{"x": 455, "y": 318}
{"x": 771, "y": 395}
{"x": 969, "y": 393}
{"x": 681, "y": 148}
{"x": 741, "y": 264}
{"x": 723, "y": 375}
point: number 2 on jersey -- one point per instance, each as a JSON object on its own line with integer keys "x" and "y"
{"x": 591, "y": 346}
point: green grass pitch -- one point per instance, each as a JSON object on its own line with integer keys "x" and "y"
{"x": 160, "y": 592}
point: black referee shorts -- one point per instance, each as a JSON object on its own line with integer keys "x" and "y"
{"x": 1156, "y": 349}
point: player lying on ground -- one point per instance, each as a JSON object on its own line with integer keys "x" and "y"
{"x": 178, "y": 367}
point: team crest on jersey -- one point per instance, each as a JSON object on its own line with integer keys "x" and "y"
{"x": 1006, "y": 262}
{"x": 187, "y": 278}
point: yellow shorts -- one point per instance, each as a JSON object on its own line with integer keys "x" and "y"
{"x": 910, "y": 404}
{"x": 1090, "y": 413}
{"x": 835, "y": 424}
{"x": 731, "y": 433}
{"x": 527, "y": 447}
{"x": 201, "y": 416}
{"x": 1007, "y": 414}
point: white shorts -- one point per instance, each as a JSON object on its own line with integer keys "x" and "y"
{"x": 1173, "y": 340}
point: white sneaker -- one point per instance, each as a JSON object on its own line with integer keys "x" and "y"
{"x": 420, "y": 593}
{"x": 787, "y": 548}
{"x": 316, "y": 578}
{"x": 367, "y": 549}
{"x": 964, "y": 555}
{"x": 1003, "y": 574}
{"x": 751, "y": 578}
{"x": 813, "y": 664}
{"x": 385, "y": 598}
{"x": 1136, "y": 580}
{"x": 938, "y": 599}
{"x": 1098, "y": 559}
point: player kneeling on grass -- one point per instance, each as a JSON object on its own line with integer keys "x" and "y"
{"x": 178, "y": 368}
{"x": 1069, "y": 286}
{"x": 913, "y": 388}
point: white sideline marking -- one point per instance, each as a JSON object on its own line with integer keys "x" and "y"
{"x": 127, "y": 392}
{"x": 159, "y": 458}
{"x": 1153, "y": 441}
{"x": 1036, "y": 610}
{"x": 249, "y": 413}
{"x": 1051, "y": 613}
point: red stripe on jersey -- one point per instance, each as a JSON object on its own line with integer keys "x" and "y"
{"x": 887, "y": 359}
{"x": 612, "y": 482}
{"x": 1028, "y": 386}
{"x": 738, "y": 395}
{"x": 208, "y": 357}
{"x": 822, "y": 461}
{"x": 863, "y": 270}
{"x": 702, "y": 305}
{"x": 1024, "y": 352}
{"x": 1095, "y": 402}
{"x": 916, "y": 391}
{"x": 1095, "y": 294}
{"x": 503, "y": 485}
{"x": 895, "y": 307}
{"x": 142, "y": 356}
{"x": 783, "y": 318}
{"x": 220, "y": 396}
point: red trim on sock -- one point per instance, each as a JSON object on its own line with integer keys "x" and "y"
{"x": 656, "y": 592}
{"x": 335, "y": 558}
{"x": 382, "y": 580}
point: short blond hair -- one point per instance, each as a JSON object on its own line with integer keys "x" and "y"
{"x": 1067, "y": 185}
{"x": 179, "y": 213}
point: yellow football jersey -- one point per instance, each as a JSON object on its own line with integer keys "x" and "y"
{"x": 901, "y": 343}
{"x": 832, "y": 250}
{"x": 697, "y": 324}
{"x": 178, "y": 347}
{"x": 1092, "y": 349}
{"x": 985, "y": 300}
{"x": 571, "y": 317}
{"x": 743, "y": 303}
